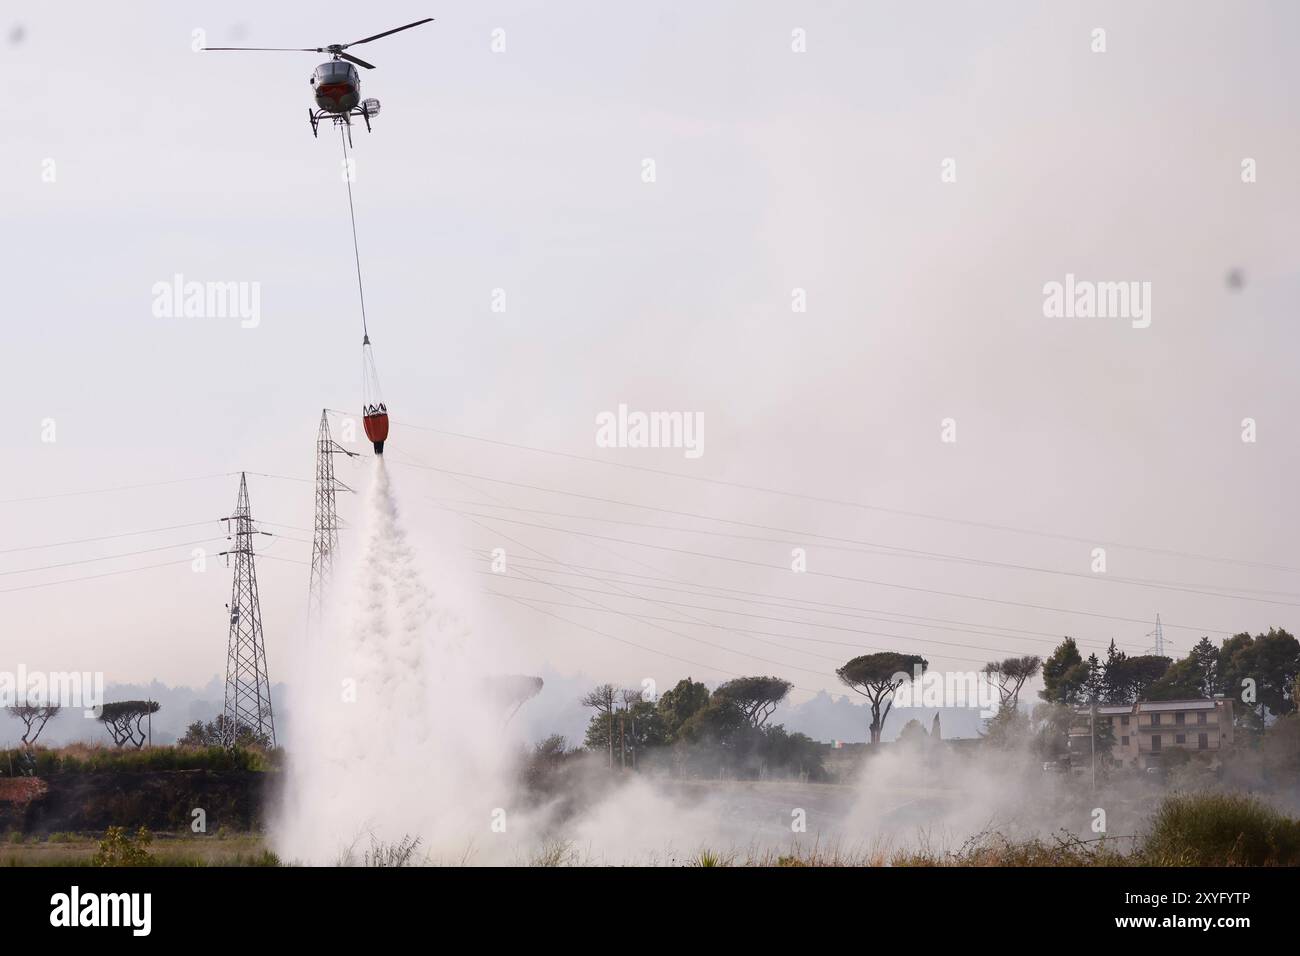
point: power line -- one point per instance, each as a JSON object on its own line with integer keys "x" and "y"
{"x": 793, "y": 637}
{"x": 835, "y": 627}
{"x": 110, "y": 557}
{"x": 90, "y": 577}
{"x": 682, "y": 614}
{"x": 281, "y": 524}
{"x": 131, "y": 534}
{"x": 838, "y": 608}
{"x": 759, "y": 564}
{"x": 276, "y": 557}
{"x": 597, "y": 604}
{"x": 841, "y": 610}
{"x": 105, "y": 537}
{"x": 101, "y": 491}
{"x": 652, "y": 650}
{"x": 843, "y": 577}
{"x": 575, "y": 494}
{"x": 638, "y": 616}
{"x": 796, "y": 535}
{"x": 656, "y": 651}
{"x": 127, "y": 554}
{"x": 756, "y": 635}
{"x": 726, "y": 627}
{"x": 144, "y": 484}
{"x": 821, "y": 499}
{"x": 263, "y": 474}
{"x": 109, "y": 574}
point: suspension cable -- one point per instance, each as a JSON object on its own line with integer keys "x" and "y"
{"x": 356, "y": 249}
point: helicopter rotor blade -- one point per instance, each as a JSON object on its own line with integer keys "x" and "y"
{"x": 387, "y": 33}
{"x": 275, "y": 49}
{"x": 359, "y": 62}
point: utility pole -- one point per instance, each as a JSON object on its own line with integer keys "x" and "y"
{"x": 1092, "y": 735}
{"x": 325, "y": 537}
{"x": 609, "y": 727}
{"x": 248, "y": 688}
{"x": 633, "y": 717}
{"x": 626, "y": 716}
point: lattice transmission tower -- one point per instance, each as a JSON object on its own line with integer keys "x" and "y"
{"x": 1159, "y": 635}
{"x": 325, "y": 537}
{"x": 248, "y": 688}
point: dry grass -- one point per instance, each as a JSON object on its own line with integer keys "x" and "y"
{"x": 167, "y": 849}
{"x": 100, "y": 758}
{"x": 1188, "y": 830}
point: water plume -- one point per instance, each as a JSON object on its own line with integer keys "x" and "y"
{"x": 390, "y": 737}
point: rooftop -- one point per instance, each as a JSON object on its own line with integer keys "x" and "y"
{"x": 1150, "y": 706}
{"x": 1199, "y": 704}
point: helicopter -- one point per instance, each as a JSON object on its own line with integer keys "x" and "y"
{"x": 336, "y": 85}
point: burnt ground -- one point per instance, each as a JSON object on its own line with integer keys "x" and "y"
{"x": 157, "y": 799}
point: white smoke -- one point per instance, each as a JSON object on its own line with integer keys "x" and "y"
{"x": 393, "y": 738}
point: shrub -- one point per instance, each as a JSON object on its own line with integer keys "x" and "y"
{"x": 119, "y": 849}
{"x": 382, "y": 853}
{"x": 553, "y": 853}
{"x": 994, "y": 849}
{"x": 1216, "y": 829}
{"x": 80, "y": 758}
{"x": 400, "y": 853}
{"x": 707, "y": 857}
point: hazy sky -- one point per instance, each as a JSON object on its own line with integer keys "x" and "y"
{"x": 522, "y": 170}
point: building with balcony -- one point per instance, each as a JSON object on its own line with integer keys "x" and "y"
{"x": 1145, "y": 731}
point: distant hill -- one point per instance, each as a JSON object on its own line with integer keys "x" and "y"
{"x": 828, "y": 718}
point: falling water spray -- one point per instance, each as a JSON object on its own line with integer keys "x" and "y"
{"x": 391, "y": 736}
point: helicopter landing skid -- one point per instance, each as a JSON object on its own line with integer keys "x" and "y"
{"x": 340, "y": 119}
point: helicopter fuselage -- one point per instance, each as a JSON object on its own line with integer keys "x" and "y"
{"x": 336, "y": 86}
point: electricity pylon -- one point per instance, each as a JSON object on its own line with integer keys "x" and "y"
{"x": 1159, "y": 635}
{"x": 325, "y": 537}
{"x": 248, "y": 688}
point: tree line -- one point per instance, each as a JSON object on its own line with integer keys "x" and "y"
{"x": 1259, "y": 672}
{"x": 728, "y": 730}
{"x": 698, "y": 731}
{"x": 126, "y": 722}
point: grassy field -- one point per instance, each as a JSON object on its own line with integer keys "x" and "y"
{"x": 1186, "y": 830}
{"x": 166, "y": 849}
